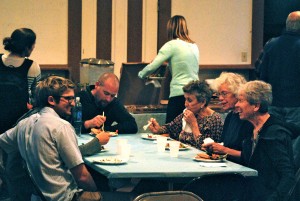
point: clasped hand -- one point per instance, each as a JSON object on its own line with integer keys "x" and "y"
{"x": 214, "y": 148}
{"x": 96, "y": 122}
{"x": 154, "y": 126}
{"x": 103, "y": 137}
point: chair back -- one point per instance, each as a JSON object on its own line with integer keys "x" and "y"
{"x": 219, "y": 187}
{"x": 168, "y": 196}
{"x": 294, "y": 193}
{"x": 38, "y": 195}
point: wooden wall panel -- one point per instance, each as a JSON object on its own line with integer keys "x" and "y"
{"x": 74, "y": 38}
{"x": 104, "y": 23}
{"x": 134, "y": 30}
{"x": 164, "y": 14}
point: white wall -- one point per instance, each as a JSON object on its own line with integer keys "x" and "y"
{"x": 47, "y": 18}
{"x": 222, "y": 29}
{"x": 119, "y": 34}
{"x": 89, "y": 25}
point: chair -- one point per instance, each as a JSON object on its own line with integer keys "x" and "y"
{"x": 294, "y": 193}
{"x": 38, "y": 195}
{"x": 296, "y": 151}
{"x": 219, "y": 187}
{"x": 168, "y": 196}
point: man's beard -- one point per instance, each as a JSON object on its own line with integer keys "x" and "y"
{"x": 102, "y": 103}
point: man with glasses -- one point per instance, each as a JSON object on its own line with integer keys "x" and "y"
{"x": 48, "y": 144}
{"x": 100, "y": 106}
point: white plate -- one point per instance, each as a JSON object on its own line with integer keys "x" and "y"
{"x": 149, "y": 136}
{"x": 109, "y": 161}
{"x": 112, "y": 134}
{"x": 209, "y": 160}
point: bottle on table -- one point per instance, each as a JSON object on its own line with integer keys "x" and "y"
{"x": 77, "y": 116}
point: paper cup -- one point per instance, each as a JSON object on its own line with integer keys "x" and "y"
{"x": 125, "y": 151}
{"x": 120, "y": 143}
{"x": 174, "y": 148}
{"x": 161, "y": 143}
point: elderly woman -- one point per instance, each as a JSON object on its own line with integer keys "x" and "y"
{"x": 197, "y": 121}
{"x": 234, "y": 129}
{"x": 269, "y": 149}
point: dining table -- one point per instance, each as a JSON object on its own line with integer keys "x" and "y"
{"x": 145, "y": 162}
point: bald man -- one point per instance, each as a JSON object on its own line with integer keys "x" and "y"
{"x": 101, "y": 99}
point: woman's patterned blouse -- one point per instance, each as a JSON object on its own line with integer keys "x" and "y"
{"x": 210, "y": 126}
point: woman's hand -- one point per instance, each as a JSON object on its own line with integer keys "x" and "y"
{"x": 215, "y": 148}
{"x": 154, "y": 126}
{"x": 191, "y": 120}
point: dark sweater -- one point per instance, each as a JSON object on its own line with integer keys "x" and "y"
{"x": 273, "y": 159}
{"x": 280, "y": 66}
{"x": 117, "y": 117}
{"x": 234, "y": 132}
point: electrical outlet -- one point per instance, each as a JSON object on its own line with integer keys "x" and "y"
{"x": 244, "y": 56}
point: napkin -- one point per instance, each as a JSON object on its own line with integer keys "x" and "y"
{"x": 186, "y": 127}
{"x": 204, "y": 164}
{"x": 208, "y": 140}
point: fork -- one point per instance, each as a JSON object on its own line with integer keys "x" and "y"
{"x": 146, "y": 126}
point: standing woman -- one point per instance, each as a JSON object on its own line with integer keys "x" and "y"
{"x": 17, "y": 72}
{"x": 182, "y": 55}
{"x": 18, "y": 78}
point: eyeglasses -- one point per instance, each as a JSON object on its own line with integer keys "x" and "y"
{"x": 70, "y": 99}
{"x": 224, "y": 94}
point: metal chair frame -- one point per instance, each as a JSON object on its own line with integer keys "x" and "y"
{"x": 168, "y": 196}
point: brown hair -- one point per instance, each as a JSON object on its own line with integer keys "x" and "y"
{"x": 177, "y": 28}
{"x": 51, "y": 86}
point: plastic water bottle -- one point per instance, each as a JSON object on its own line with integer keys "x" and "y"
{"x": 77, "y": 116}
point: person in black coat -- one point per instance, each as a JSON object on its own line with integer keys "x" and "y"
{"x": 235, "y": 130}
{"x": 269, "y": 149}
{"x": 101, "y": 99}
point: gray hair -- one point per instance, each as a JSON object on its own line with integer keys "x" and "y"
{"x": 258, "y": 92}
{"x": 293, "y": 22}
{"x": 200, "y": 89}
{"x": 233, "y": 80}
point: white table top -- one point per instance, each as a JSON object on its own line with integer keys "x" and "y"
{"x": 146, "y": 162}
